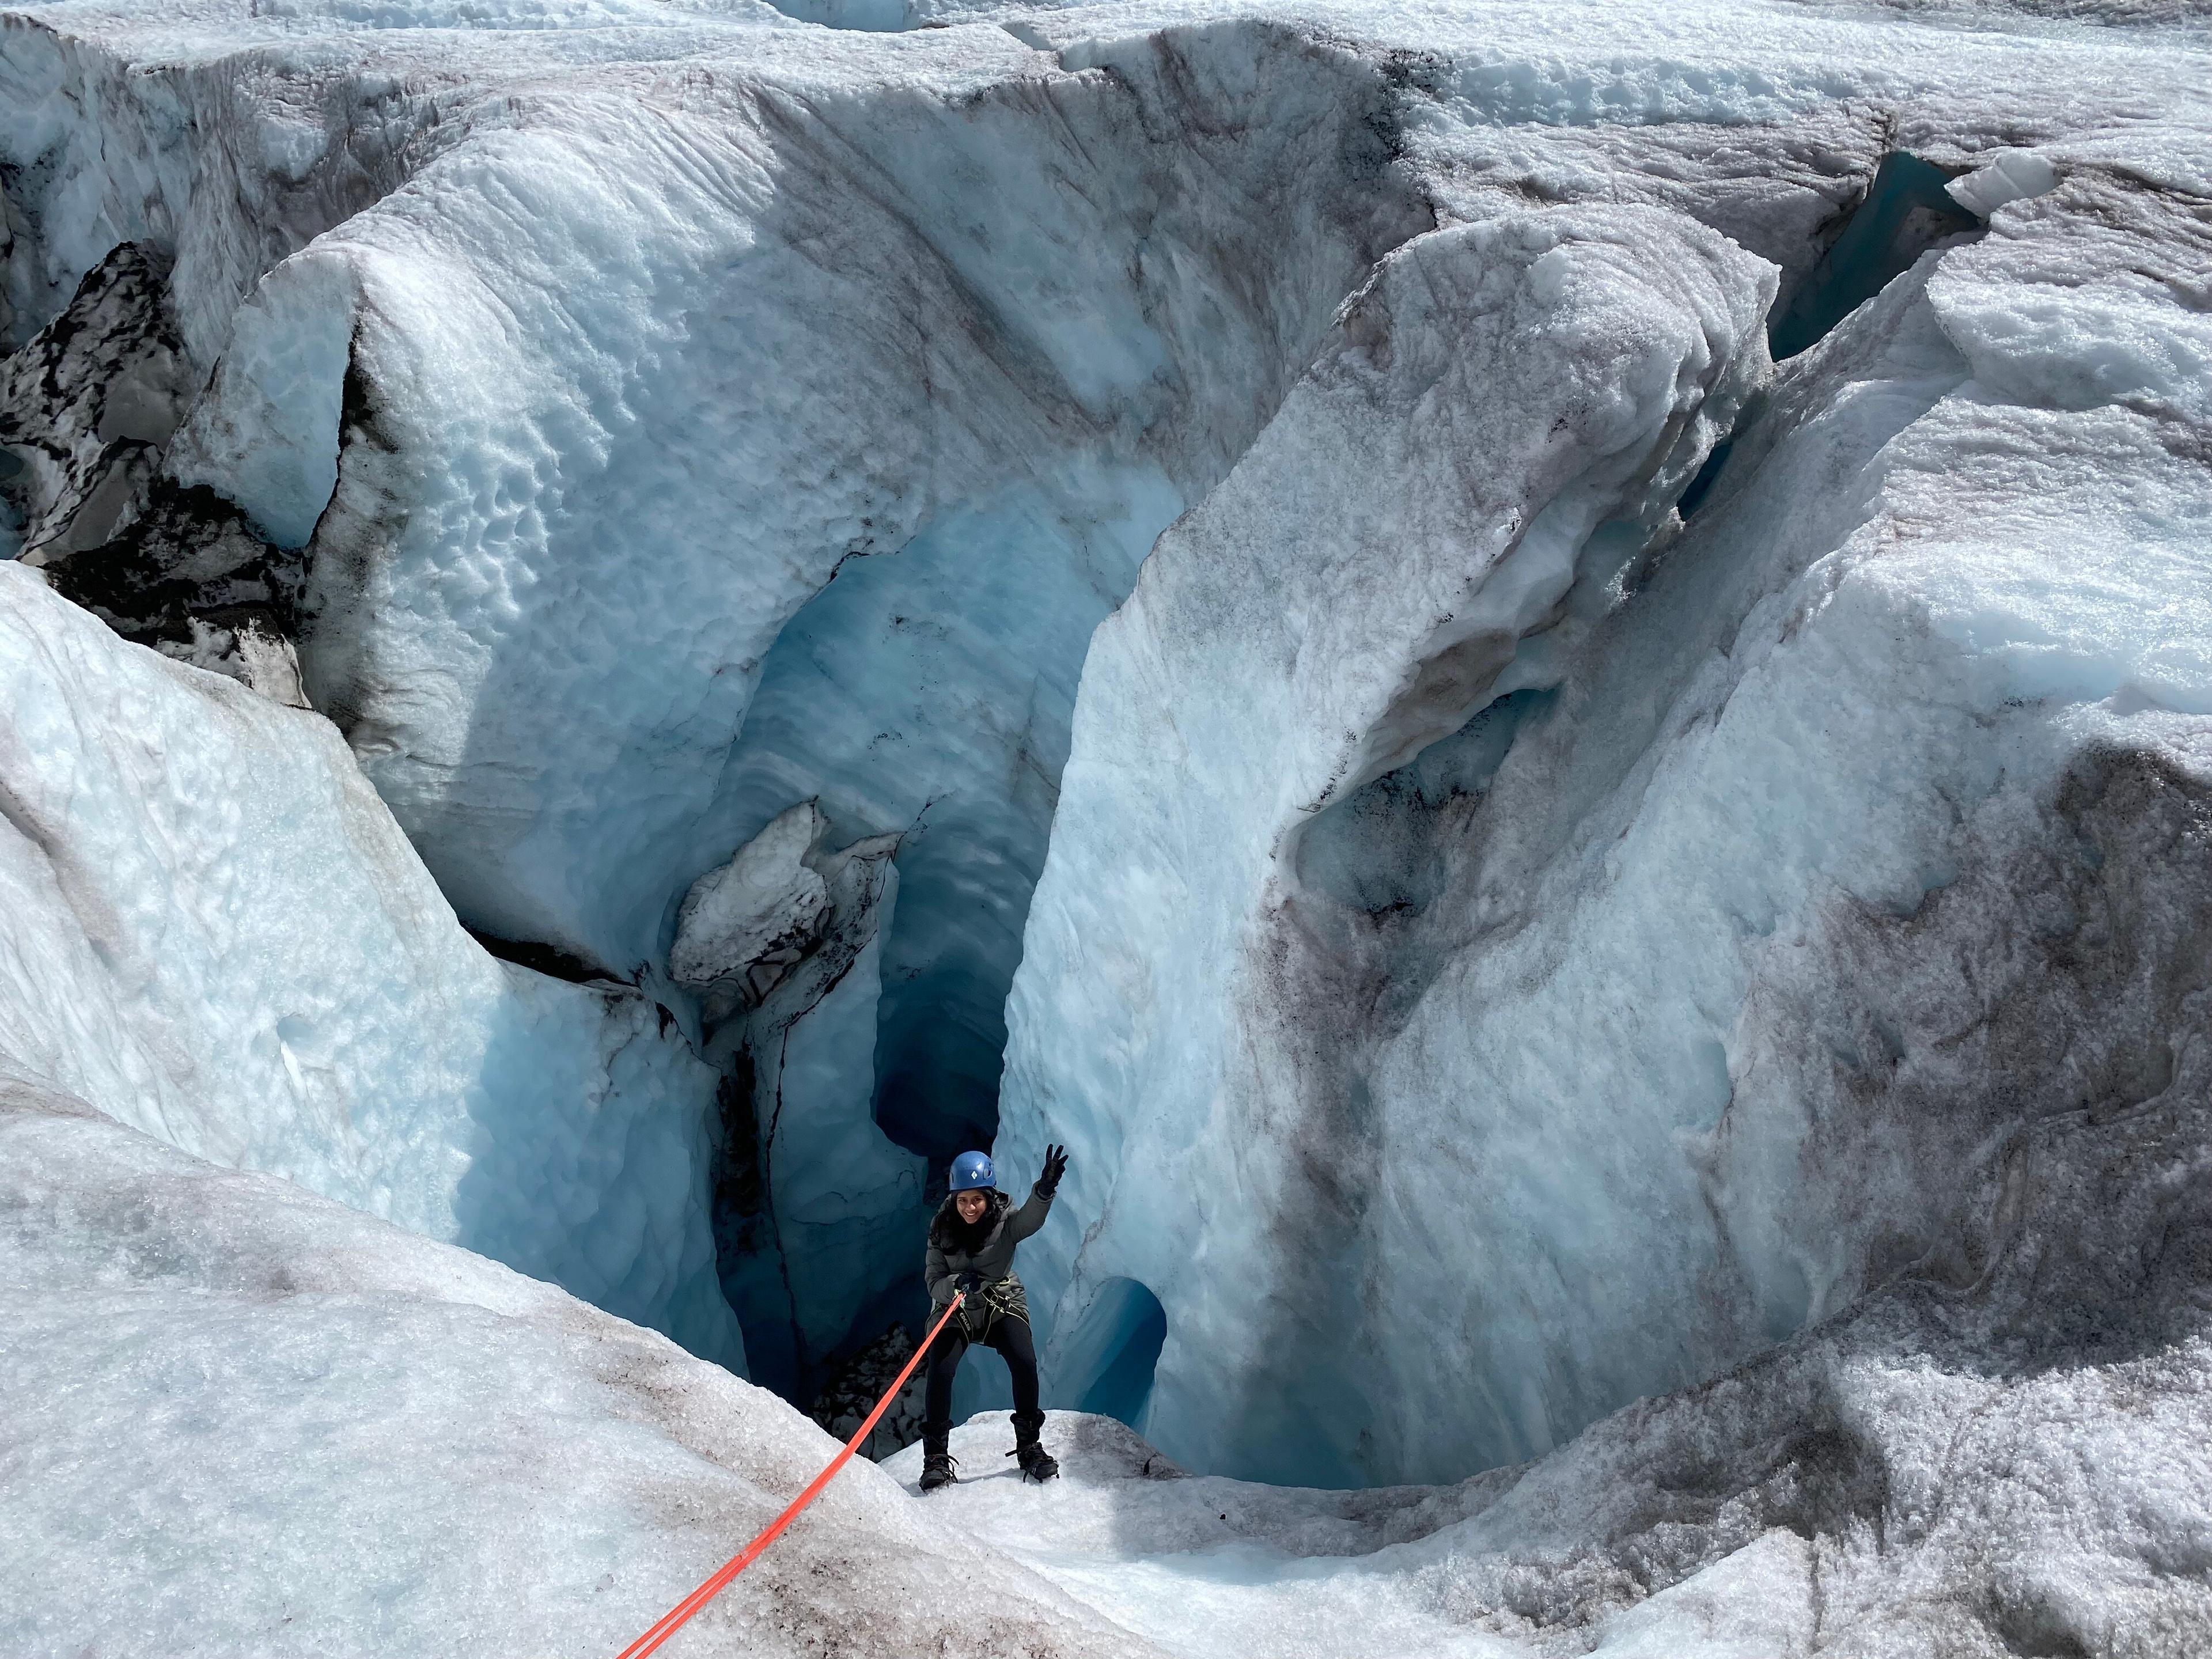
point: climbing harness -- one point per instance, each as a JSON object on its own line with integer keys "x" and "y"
{"x": 674, "y": 1619}
{"x": 1000, "y": 1298}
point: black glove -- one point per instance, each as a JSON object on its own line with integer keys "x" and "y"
{"x": 969, "y": 1282}
{"x": 1055, "y": 1165}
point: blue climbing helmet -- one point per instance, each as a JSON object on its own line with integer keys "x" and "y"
{"x": 972, "y": 1171}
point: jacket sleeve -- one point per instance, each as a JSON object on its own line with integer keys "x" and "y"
{"x": 1030, "y": 1217}
{"x": 939, "y": 1278}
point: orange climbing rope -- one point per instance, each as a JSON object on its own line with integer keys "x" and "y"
{"x": 673, "y": 1620}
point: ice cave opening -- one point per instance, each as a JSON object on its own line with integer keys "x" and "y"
{"x": 1107, "y": 1361}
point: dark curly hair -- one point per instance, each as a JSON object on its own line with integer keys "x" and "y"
{"x": 949, "y": 1232}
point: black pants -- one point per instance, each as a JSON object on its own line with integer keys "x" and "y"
{"x": 1010, "y": 1337}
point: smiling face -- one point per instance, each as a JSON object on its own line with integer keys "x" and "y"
{"x": 971, "y": 1205}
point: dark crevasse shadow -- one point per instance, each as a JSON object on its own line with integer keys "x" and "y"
{"x": 926, "y": 692}
{"x": 1905, "y": 212}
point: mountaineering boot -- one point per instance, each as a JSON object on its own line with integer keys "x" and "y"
{"x": 937, "y": 1462}
{"x": 1036, "y": 1463}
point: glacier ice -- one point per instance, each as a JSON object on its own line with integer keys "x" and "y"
{"x": 751, "y": 920}
{"x": 1871, "y": 1489}
{"x": 184, "y": 1329}
{"x": 1618, "y": 922}
{"x": 1277, "y": 580}
{"x": 1108, "y": 1364}
{"x": 527, "y": 401}
{"x": 213, "y": 932}
{"x": 88, "y": 409}
{"x": 814, "y": 1207}
{"x": 882, "y": 542}
{"x": 1910, "y": 207}
{"x": 1806, "y": 863}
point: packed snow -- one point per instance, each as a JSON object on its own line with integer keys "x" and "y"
{"x": 1542, "y": 672}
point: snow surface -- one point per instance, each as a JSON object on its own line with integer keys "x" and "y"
{"x": 1872, "y": 1491}
{"x": 303, "y": 1431}
{"x": 421, "y": 1451}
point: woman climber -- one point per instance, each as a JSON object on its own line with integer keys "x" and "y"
{"x": 971, "y": 1249}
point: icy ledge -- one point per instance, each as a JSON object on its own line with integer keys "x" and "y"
{"x": 1872, "y": 1489}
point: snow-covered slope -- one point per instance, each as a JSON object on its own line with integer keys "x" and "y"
{"x": 413, "y": 1449}
{"x": 238, "y": 1419}
{"x": 1878, "y": 1490}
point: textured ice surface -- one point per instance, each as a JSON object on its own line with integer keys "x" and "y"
{"x": 749, "y": 920}
{"x": 896, "y": 358}
{"x": 1873, "y": 1491}
{"x": 1800, "y": 865}
{"x": 213, "y": 930}
{"x": 182, "y": 1330}
{"x": 237, "y": 1418}
{"x": 816, "y": 1210}
{"x": 820, "y": 311}
{"x": 1364, "y": 564}
{"x": 86, "y": 408}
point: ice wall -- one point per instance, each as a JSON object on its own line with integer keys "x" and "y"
{"x": 1502, "y": 953}
{"x": 815, "y": 1211}
{"x": 842, "y": 317}
{"x": 1418, "y": 507}
{"x": 214, "y": 931}
{"x": 1808, "y": 864}
{"x": 646, "y": 418}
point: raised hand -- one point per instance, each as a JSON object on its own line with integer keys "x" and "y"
{"x": 1055, "y": 1165}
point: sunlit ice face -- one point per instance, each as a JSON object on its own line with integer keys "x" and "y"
{"x": 971, "y": 1205}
